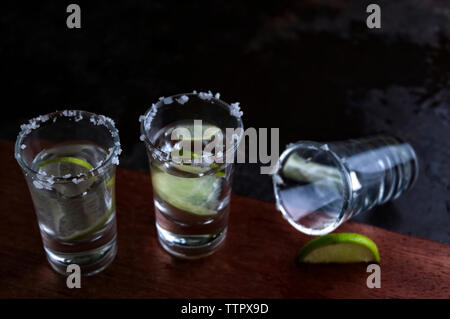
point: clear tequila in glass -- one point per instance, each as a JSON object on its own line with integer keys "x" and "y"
{"x": 72, "y": 183}
{"x": 191, "y": 202}
{"x": 192, "y": 195}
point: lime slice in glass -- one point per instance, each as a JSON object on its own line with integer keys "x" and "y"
{"x": 340, "y": 248}
{"x": 69, "y": 226}
{"x": 301, "y": 170}
{"x": 193, "y": 169}
{"x": 67, "y": 159}
{"x": 194, "y": 195}
{"x": 207, "y": 133}
{"x": 76, "y": 225}
{"x": 83, "y": 210}
{"x": 68, "y": 167}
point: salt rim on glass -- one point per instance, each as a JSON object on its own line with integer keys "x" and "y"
{"x": 147, "y": 118}
{"x": 45, "y": 181}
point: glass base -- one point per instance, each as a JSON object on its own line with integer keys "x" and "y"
{"x": 91, "y": 262}
{"x": 190, "y": 246}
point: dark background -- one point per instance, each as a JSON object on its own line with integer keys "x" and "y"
{"x": 311, "y": 68}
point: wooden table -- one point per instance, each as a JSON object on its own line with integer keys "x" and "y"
{"x": 257, "y": 260}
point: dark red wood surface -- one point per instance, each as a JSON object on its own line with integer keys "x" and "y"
{"x": 257, "y": 260}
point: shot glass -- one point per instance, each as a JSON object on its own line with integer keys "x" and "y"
{"x": 318, "y": 186}
{"x": 69, "y": 159}
{"x": 191, "y": 180}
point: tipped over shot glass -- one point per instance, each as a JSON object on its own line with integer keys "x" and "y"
{"x": 191, "y": 193}
{"x": 69, "y": 160}
{"x": 318, "y": 186}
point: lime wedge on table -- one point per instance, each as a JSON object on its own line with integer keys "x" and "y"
{"x": 74, "y": 224}
{"x": 340, "y": 248}
{"x": 195, "y": 195}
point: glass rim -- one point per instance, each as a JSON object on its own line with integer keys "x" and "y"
{"x": 161, "y": 154}
{"x": 41, "y": 119}
{"x": 344, "y": 213}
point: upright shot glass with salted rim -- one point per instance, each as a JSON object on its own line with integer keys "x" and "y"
{"x": 69, "y": 160}
{"x": 191, "y": 141}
